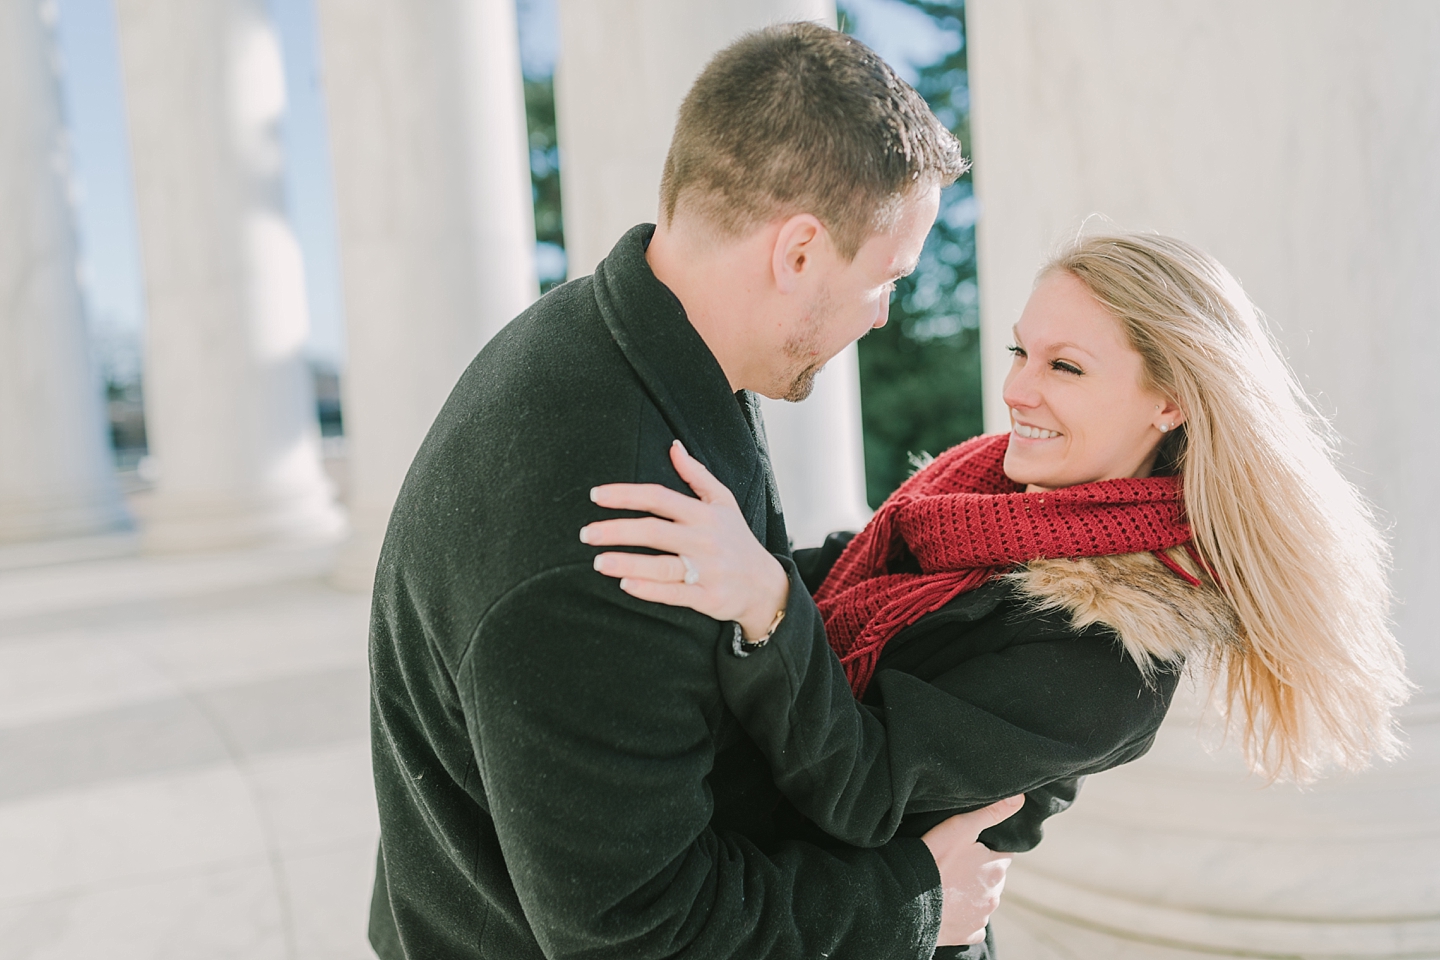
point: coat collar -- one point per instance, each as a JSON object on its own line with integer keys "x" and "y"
{"x": 721, "y": 429}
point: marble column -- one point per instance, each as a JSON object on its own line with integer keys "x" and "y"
{"x": 624, "y": 68}
{"x": 56, "y": 475}
{"x": 436, "y": 222}
{"x": 819, "y": 454}
{"x": 230, "y": 411}
{"x": 1298, "y": 142}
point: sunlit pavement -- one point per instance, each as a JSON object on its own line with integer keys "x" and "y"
{"x": 184, "y": 764}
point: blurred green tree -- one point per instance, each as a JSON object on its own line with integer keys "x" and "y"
{"x": 920, "y": 373}
{"x": 545, "y": 180}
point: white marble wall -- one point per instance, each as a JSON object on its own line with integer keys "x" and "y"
{"x": 1298, "y": 141}
{"x": 436, "y": 225}
{"x": 624, "y": 68}
{"x": 56, "y": 479}
{"x": 230, "y": 412}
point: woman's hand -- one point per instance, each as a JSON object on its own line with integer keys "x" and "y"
{"x": 731, "y": 576}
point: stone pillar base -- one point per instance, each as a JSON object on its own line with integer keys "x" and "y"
{"x": 1049, "y": 919}
{"x": 62, "y": 516}
{"x": 1183, "y": 855}
{"x": 172, "y": 524}
{"x": 355, "y": 567}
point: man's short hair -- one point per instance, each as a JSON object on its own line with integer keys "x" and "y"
{"x": 799, "y": 118}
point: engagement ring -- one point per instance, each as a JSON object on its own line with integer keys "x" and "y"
{"x": 692, "y": 576}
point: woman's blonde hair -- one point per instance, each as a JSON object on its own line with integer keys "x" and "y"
{"x": 1315, "y": 674}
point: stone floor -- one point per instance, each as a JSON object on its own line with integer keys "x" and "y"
{"x": 184, "y": 766}
{"x": 184, "y": 769}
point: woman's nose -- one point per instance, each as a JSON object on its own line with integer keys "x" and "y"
{"x": 1020, "y": 389}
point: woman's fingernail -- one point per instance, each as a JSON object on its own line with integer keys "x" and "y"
{"x": 600, "y": 563}
{"x": 584, "y": 534}
{"x": 593, "y": 494}
{"x": 682, "y": 448}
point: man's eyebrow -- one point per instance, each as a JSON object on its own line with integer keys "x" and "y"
{"x": 908, "y": 269}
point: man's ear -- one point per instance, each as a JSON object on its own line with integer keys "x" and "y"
{"x": 798, "y": 241}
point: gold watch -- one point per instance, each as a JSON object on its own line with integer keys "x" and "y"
{"x": 743, "y": 648}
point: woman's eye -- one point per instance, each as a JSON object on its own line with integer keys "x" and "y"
{"x": 1016, "y": 351}
{"x": 1065, "y": 366}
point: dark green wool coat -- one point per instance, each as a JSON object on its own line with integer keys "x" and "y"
{"x": 564, "y": 771}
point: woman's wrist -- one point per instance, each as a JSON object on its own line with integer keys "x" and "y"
{"x": 771, "y": 599}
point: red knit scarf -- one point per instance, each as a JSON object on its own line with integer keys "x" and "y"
{"x": 965, "y": 522}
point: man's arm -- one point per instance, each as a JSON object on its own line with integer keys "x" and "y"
{"x": 996, "y": 725}
{"x": 855, "y": 771}
{"x": 592, "y": 716}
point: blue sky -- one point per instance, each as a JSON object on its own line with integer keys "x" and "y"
{"x": 105, "y": 213}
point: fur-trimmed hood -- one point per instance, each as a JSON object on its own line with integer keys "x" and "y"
{"x": 1159, "y": 617}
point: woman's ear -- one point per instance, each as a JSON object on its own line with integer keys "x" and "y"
{"x": 1168, "y": 416}
{"x": 797, "y": 243}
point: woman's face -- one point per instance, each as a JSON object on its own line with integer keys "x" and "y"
{"x": 1078, "y": 412}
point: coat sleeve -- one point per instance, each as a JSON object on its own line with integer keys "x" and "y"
{"x": 814, "y": 563}
{"x": 1052, "y": 705}
{"x": 593, "y": 721}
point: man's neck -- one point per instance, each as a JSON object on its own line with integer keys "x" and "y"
{"x": 713, "y": 281}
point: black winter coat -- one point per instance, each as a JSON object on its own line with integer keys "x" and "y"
{"x": 565, "y": 771}
{"x": 556, "y": 769}
{"x": 1003, "y": 697}
{"x": 1016, "y": 699}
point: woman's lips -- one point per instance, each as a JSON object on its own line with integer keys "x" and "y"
{"x": 1028, "y": 432}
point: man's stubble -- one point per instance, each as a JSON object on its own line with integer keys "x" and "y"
{"x": 802, "y": 347}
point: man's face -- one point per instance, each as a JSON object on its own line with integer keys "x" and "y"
{"x": 846, "y": 300}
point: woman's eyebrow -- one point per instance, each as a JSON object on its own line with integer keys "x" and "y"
{"x": 1055, "y": 347}
{"x": 1068, "y": 345}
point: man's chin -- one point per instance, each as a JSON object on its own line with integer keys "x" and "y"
{"x": 803, "y": 384}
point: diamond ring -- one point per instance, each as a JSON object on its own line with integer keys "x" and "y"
{"x": 692, "y": 576}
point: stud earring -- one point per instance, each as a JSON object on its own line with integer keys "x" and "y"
{"x": 1164, "y": 428}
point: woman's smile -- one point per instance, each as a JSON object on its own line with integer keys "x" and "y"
{"x": 1030, "y": 431}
